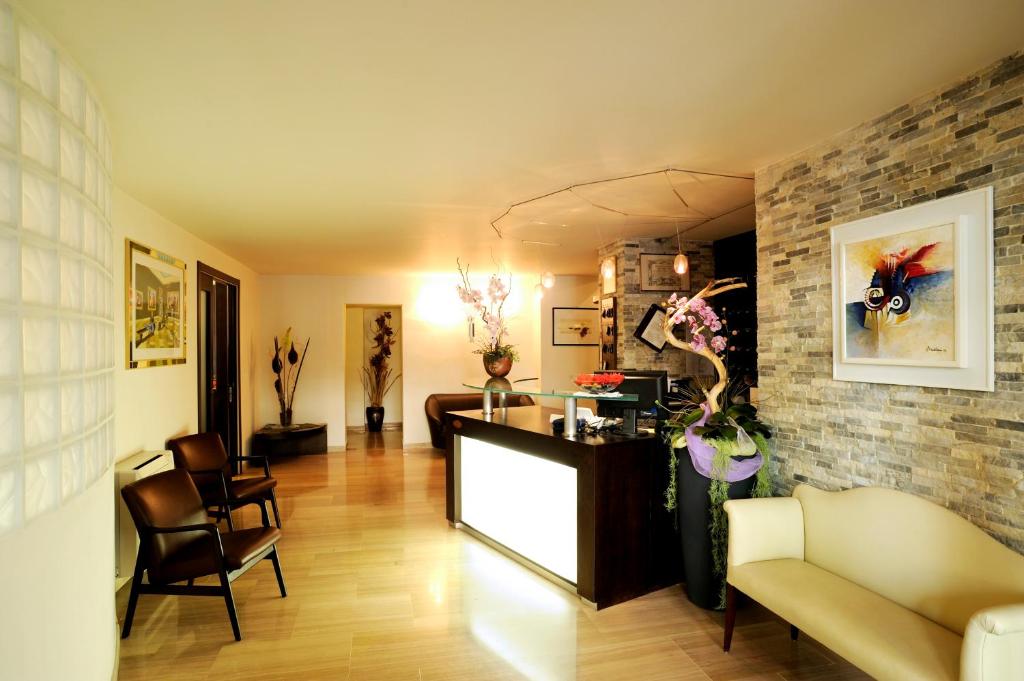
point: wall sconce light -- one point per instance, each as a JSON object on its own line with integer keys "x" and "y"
{"x": 608, "y": 268}
{"x": 548, "y": 279}
{"x": 538, "y": 291}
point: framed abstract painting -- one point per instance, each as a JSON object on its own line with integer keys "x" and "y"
{"x": 155, "y": 307}
{"x": 912, "y": 299}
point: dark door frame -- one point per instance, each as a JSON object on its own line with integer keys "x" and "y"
{"x": 233, "y": 321}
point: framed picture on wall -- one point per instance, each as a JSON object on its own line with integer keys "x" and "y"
{"x": 575, "y": 326}
{"x": 650, "y": 331}
{"x": 912, "y": 295}
{"x": 657, "y": 274}
{"x": 154, "y": 323}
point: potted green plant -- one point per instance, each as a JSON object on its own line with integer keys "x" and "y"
{"x": 498, "y": 356}
{"x": 377, "y": 375}
{"x": 727, "y": 447}
{"x": 287, "y": 367}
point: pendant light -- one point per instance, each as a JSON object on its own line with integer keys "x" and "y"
{"x": 538, "y": 291}
{"x": 681, "y": 264}
{"x": 548, "y": 279}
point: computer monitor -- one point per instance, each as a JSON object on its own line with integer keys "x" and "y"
{"x": 648, "y": 389}
{"x": 654, "y": 373}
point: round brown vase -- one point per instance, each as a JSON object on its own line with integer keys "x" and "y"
{"x": 499, "y": 367}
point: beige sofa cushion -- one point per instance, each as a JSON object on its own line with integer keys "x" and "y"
{"x": 910, "y": 551}
{"x": 884, "y": 639}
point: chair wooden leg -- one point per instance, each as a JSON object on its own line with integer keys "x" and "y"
{"x": 277, "y": 513}
{"x": 794, "y": 633}
{"x": 263, "y": 512}
{"x": 229, "y": 600}
{"x": 133, "y": 598}
{"x": 227, "y": 514}
{"x": 276, "y": 560}
{"x": 730, "y": 615}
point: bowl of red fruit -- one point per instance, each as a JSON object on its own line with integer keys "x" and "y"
{"x": 599, "y": 384}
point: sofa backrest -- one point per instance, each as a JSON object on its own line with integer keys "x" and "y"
{"x": 911, "y": 551}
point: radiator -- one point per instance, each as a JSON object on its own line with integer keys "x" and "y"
{"x": 126, "y": 543}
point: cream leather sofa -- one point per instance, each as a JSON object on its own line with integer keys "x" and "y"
{"x": 897, "y": 585}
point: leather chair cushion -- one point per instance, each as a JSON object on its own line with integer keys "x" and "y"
{"x": 439, "y": 404}
{"x": 167, "y": 499}
{"x": 197, "y": 558}
{"x": 247, "y": 488}
{"x": 200, "y": 452}
{"x": 885, "y": 639}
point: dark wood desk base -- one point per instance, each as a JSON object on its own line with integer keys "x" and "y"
{"x": 627, "y": 544}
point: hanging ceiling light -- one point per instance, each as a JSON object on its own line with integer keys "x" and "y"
{"x": 538, "y": 291}
{"x": 548, "y": 279}
{"x": 681, "y": 264}
{"x": 608, "y": 268}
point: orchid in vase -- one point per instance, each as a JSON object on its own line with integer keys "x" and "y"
{"x": 725, "y": 439}
{"x": 498, "y": 355}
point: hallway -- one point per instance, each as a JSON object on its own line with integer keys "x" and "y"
{"x": 380, "y": 588}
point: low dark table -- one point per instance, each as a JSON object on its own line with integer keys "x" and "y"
{"x": 303, "y": 438}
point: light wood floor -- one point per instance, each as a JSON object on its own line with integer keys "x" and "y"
{"x": 381, "y": 588}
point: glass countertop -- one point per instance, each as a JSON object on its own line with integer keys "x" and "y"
{"x": 504, "y": 386}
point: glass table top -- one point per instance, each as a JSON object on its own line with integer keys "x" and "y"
{"x": 504, "y": 386}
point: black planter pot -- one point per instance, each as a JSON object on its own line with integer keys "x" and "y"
{"x": 374, "y": 419}
{"x": 694, "y": 509}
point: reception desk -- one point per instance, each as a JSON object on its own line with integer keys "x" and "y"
{"x": 585, "y": 511}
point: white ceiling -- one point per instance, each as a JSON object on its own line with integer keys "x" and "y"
{"x": 339, "y": 137}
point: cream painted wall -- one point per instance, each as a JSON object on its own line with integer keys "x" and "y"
{"x": 58, "y": 592}
{"x": 358, "y": 347}
{"x": 354, "y": 414}
{"x": 437, "y": 353}
{"x": 561, "y": 364}
{"x": 154, "y": 404}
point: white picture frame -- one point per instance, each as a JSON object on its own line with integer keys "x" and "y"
{"x": 950, "y": 343}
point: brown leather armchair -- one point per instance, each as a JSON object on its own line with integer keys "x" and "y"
{"x": 178, "y": 543}
{"x": 206, "y": 460}
{"x": 437, "y": 405}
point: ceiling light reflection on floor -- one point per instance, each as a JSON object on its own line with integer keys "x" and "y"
{"x": 522, "y": 618}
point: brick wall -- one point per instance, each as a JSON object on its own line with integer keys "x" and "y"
{"x": 632, "y": 303}
{"x": 961, "y": 449}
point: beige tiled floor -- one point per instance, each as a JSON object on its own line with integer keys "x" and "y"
{"x": 380, "y": 588}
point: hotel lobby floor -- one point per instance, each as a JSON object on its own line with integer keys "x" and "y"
{"x": 380, "y": 588}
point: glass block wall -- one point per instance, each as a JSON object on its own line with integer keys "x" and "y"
{"x": 56, "y": 279}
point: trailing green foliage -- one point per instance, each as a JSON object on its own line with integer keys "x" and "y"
{"x": 763, "y": 485}
{"x": 718, "y": 494}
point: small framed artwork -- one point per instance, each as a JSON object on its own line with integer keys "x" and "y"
{"x": 912, "y": 297}
{"x": 575, "y": 326}
{"x": 657, "y": 274}
{"x": 651, "y": 332}
{"x": 154, "y": 320}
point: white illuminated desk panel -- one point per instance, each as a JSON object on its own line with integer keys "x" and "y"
{"x": 523, "y": 502}
{"x": 585, "y": 512}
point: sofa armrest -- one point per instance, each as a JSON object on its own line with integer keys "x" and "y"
{"x": 993, "y": 645}
{"x": 765, "y": 529}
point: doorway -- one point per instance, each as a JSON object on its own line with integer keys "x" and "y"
{"x": 362, "y": 324}
{"x": 218, "y": 360}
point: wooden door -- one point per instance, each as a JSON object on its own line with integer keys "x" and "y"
{"x": 218, "y": 372}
